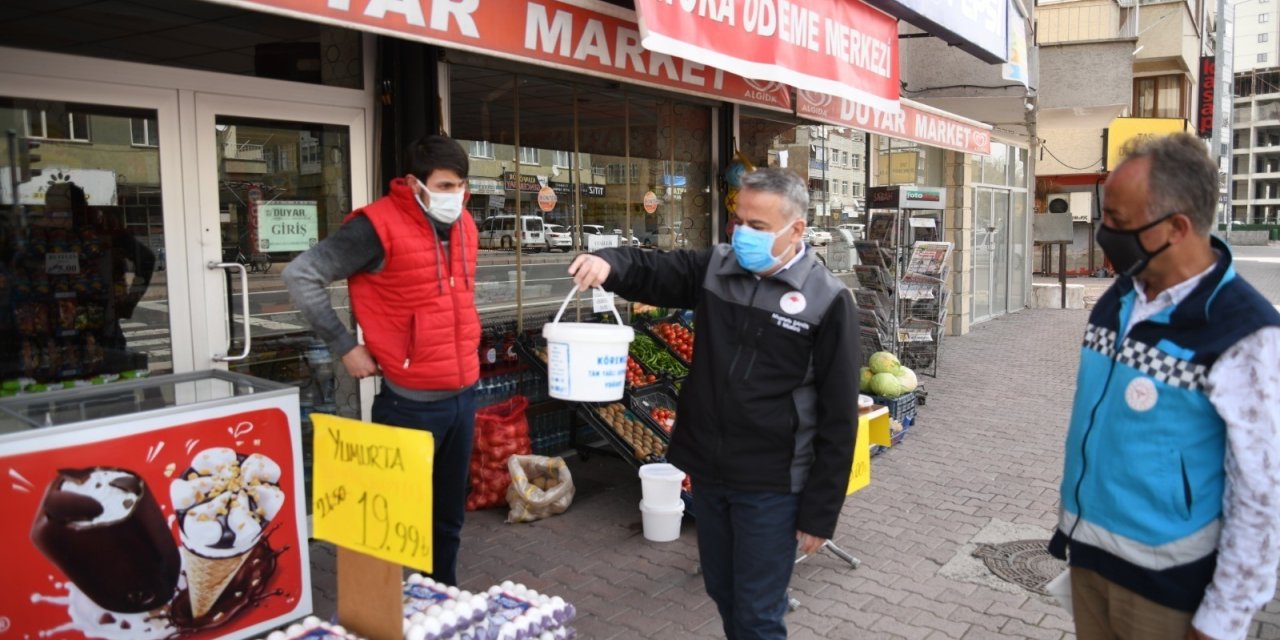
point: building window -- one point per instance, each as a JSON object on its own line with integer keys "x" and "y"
{"x": 560, "y": 159}
{"x": 1262, "y": 58}
{"x": 1160, "y": 97}
{"x": 1263, "y": 37}
{"x": 53, "y": 126}
{"x": 1264, "y": 17}
{"x": 481, "y": 149}
{"x": 529, "y": 155}
{"x": 144, "y": 131}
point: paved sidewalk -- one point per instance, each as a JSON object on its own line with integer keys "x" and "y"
{"x": 985, "y": 456}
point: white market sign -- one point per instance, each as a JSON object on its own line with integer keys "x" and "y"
{"x": 287, "y": 225}
{"x": 99, "y": 185}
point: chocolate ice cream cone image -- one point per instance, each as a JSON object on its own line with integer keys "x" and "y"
{"x": 224, "y": 502}
{"x": 103, "y": 528}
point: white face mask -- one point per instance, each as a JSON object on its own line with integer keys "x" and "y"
{"x": 444, "y": 207}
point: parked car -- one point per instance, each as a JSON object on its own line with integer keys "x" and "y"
{"x": 588, "y": 232}
{"x": 816, "y": 236}
{"x": 499, "y": 232}
{"x": 558, "y": 237}
{"x": 635, "y": 242}
{"x": 854, "y": 228}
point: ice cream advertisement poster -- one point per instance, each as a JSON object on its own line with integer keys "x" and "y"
{"x": 154, "y": 531}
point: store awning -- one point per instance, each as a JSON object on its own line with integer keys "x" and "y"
{"x": 603, "y": 40}
{"x": 916, "y": 122}
{"x": 844, "y": 48}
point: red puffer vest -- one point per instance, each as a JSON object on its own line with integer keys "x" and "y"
{"x": 419, "y": 312}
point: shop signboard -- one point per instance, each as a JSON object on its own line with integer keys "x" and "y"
{"x": 547, "y": 199}
{"x": 650, "y": 202}
{"x": 916, "y": 122}
{"x": 1017, "y": 68}
{"x": 603, "y": 40}
{"x": 169, "y": 525}
{"x": 907, "y": 197}
{"x": 1208, "y": 82}
{"x": 841, "y": 47}
{"x": 484, "y": 187}
{"x": 372, "y": 489}
{"x": 287, "y": 225}
{"x": 1123, "y": 130}
{"x": 976, "y": 26}
{"x": 99, "y": 185}
{"x": 528, "y": 183}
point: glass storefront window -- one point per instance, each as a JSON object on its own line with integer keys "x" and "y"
{"x": 191, "y": 34}
{"x": 904, "y": 162}
{"x": 828, "y": 157}
{"x": 83, "y": 291}
{"x": 583, "y": 167}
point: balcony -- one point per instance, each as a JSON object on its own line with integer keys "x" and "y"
{"x": 1086, "y": 63}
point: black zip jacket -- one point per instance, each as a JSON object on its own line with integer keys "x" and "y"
{"x": 770, "y": 404}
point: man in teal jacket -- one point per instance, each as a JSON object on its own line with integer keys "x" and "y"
{"x": 1170, "y": 513}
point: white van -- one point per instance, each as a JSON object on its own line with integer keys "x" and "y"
{"x": 499, "y": 232}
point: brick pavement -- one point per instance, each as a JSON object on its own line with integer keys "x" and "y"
{"x": 987, "y": 448}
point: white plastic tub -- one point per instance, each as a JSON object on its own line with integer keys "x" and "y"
{"x": 586, "y": 361}
{"x": 660, "y": 485}
{"x": 661, "y": 524}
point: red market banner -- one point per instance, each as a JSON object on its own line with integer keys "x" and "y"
{"x": 915, "y": 122}
{"x": 151, "y": 531}
{"x": 839, "y": 47}
{"x": 603, "y": 41}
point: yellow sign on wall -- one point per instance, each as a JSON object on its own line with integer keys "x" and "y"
{"x": 1122, "y": 130}
{"x": 371, "y": 489}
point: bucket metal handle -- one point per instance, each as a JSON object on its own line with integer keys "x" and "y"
{"x": 613, "y": 308}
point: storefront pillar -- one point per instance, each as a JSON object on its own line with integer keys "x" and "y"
{"x": 958, "y": 229}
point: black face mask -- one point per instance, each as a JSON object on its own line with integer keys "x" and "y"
{"x": 1124, "y": 249}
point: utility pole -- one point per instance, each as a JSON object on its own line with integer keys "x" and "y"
{"x": 1223, "y": 112}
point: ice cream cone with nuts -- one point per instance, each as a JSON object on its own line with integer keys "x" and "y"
{"x": 224, "y": 503}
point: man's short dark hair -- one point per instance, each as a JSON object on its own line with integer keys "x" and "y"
{"x": 1182, "y": 178}
{"x": 429, "y": 153}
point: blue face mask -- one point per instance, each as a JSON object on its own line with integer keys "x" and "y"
{"x": 754, "y": 248}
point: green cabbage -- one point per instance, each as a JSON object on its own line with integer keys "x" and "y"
{"x": 886, "y": 384}
{"x": 883, "y": 362}
{"x": 864, "y": 379}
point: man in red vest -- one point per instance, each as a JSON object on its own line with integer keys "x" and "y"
{"x": 410, "y": 261}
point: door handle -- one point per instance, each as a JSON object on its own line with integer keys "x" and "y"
{"x": 244, "y": 293}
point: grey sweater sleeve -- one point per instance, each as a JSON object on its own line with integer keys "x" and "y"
{"x": 353, "y": 248}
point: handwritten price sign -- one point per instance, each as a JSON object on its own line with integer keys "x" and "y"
{"x": 372, "y": 489}
{"x": 860, "y": 473}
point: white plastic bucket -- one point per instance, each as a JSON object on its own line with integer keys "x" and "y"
{"x": 660, "y": 484}
{"x": 661, "y": 524}
{"x": 586, "y": 361}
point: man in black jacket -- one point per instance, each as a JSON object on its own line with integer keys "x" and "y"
{"x": 766, "y": 420}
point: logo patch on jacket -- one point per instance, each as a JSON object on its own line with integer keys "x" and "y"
{"x": 1141, "y": 394}
{"x": 793, "y": 302}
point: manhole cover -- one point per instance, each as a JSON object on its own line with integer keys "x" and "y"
{"x": 1026, "y": 563}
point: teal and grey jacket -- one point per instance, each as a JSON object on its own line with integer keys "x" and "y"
{"x": 770, "y": 404}
{"x": 1143, "y": 482}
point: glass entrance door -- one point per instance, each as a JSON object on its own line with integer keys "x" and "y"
{"x": 87, "y": 293}
{"x": 271, "y": 188}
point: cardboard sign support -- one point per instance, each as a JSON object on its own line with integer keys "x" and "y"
{"x": 369, "y": 596}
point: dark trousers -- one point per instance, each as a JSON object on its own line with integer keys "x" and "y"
{"x": 451, "y": 422}
{"x": 747, "y": 547}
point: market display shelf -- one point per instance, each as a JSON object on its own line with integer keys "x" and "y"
{"x": 643, "y": 402}
{"x": 650, "y": 328}
{"x": 621, "y": 446}
{"x": 666, "y": 352}
{"x": 528, "y": 349}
